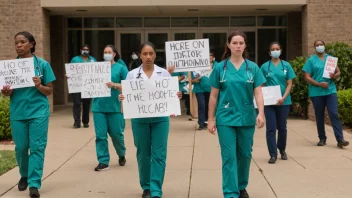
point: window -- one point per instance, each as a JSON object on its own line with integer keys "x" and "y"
{"x": 272, "y": 21}
{"x": 184, "y": 22}
{"x": 243, "y": 21}
{"x": 74, "y": 22}
{"x": 157, "y": 22}
{"x": 267, "y": 36}
{"x": 214, "y": 21}
{"x": 99, "y": 22}
{"x": 129, "y": 22}
{"x": 97, "y": 40}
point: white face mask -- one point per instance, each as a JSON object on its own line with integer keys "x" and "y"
{"x": 134, "y": 56}
{"x": 108, "y": 57}
{"x": 320, "y": 48}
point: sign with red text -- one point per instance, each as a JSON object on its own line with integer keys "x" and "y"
{"x": 330, "y": 66}
{"x": 150, "y": 98}
{"x": 17, "y": 73}
{"x": 188, "y": 55}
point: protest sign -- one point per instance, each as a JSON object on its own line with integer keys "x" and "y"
{"x": 330, "y": 66}
{"x": 94, "y": 85}
{"x": 75, "y": 72}
{"x": 271, "y": 95}
{"x": 17, "y": 73}
{"x": 188, "y": 55}
{"x": 150, "y": 98}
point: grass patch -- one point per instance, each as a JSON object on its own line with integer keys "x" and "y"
{"x": 7, "y": 161}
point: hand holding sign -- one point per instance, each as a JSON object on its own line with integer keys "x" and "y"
{"x": 271, "y": 95}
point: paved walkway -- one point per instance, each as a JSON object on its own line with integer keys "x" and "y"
{"x": 193, "y": 165}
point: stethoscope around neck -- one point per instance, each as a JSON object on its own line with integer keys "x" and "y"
{"x": 283, "y": 68}
{"x": 248, "y": 72}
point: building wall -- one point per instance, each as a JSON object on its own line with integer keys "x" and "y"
{"x": 24, "y": 15}
{"x": 294, "y": 30}
{"x": 328, "y": 20}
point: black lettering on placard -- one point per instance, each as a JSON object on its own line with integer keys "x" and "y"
{"x": 198, "y": 44}
{"x": 187, "y": 54}
{"x": 161, "y": 94}
{"x": 191, "y": 63}
{"x": 164, "y": 83}
{"x": 129, "y": 97}
{"x": 138, "y": 97}
{"x": 179, "y": 46}
{"x": 137, "y": 85}
{"x": 95, "y": 80}
{"x": 153, "y": 108}
{"x": 16, "y": 80}
{"x": 10, "y": 72}
{"x": 25, "y": 70}
{"x": 9, "y": 65}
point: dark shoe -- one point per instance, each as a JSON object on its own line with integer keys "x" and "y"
{"x": 122, "y": 161}
{"x": 243, "y": 194}
{"x": 101, "y": 167}
{"x": 146, "y": 194}
{"x": 22, "y": 184}
{"x": 76, "y": 126}
{"x": 200, "y": 128}
{"x": 322, "y": 142}
{"x": 283, "y": 155}
{"x": 206, "y": 125}
{"x": 342, "y": 143}
{"x": 272, "y": 160}
{"x": 86, "y": 125}
{"x": 33, "y": 192}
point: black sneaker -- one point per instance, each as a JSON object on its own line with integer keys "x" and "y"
{"x": 122, "y": 161}
{"x": 272, "y": 160}
{"x": 33, "y": 192}
{"x": 200, "y": 128}
{"x": 76, "y": 126}
{"x": 22, "y": 184}
{"x": 86, "y": 125}
{"x": 243, "y": 194}
{"x": 146, "y": 194}
{"x": 101, "y": 167}
{"x": 283, "y": 155}
{"x": 342, "y": 143}
{"x": 322, "y": 142}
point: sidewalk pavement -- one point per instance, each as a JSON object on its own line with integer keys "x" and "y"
{"x": 193, "y": 165}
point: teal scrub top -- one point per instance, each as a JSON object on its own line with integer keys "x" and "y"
{"x": 204, "y": 81}
{"x": 235, "y": 101}
{"x": 79, "y": 59}
{"x": 28, "y": 103}
{"x": 111, "y": 104}
{"x": 197, "y": 88}
{"x": 278, "y": 75}
{"x": 315, "y": 67}
{"x": 120, "y": 61}
{"x": 181, "y": 84}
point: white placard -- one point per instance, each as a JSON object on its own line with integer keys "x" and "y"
{"x": 150, "y": 98}
{"x": 330, "y": 66}
{"x": 188, "y": 55}
{"x": 74, "y": 72}
{"x": 18, "y": 73}
{"x": 94, "y": 85}
{"x": 270, "y": 94}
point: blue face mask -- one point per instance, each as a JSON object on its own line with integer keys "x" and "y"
{"x": 275, "y": 53}
{"x": 85, "y": 53}
{"x": 320, "y": 48}
{"x": 107, "y": 57}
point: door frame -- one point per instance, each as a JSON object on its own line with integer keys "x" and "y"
{"x": 126, "y": 31}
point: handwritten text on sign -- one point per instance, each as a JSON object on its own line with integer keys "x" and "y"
{"x": 188, "y": 55}
{"x": 271, "y": 95}
{"x": 150, "y": 98}
{"x": 18, "y": 73}
{"x": 330, "y": 66}
{"x": 94, "y": 85}
{"x": 75, "y": 71}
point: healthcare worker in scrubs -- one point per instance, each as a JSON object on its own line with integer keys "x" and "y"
{"x": 107, "y": 115}
{"x": 277, "y": 72}
{"x": 29, "y": 116}
{"x": 322, "y": 92}
{"x": 182, "y": 83}
{"x": 76, "y": 97}
{"x": 235, "y": 82}
{"x": 150, "y": 134}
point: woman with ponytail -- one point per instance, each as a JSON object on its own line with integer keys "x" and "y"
{"x": 235, "y": 81}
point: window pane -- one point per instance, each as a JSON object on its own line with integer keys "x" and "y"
{"x": 184, "y": 22}
{"x": 130, "y": 43}
{"x": 74, "y": 43}
{"x": 157, "y": 22}
{"x": 99, "y": 22}
{"x": 184, "y": 36}
{"x": 159, "y": 39}
{"x": 267, "y": 36}
{"x": 97, "y": 40}
{"x": 129, "y": 22}
{"x": 74, "y": 22}
{"x": 243, "y": 21}
{"x": 214, "y": 21}
{"x": 251, "y": 45}
{"x": 272, "y": 21}
{"x": 217, "y": 43}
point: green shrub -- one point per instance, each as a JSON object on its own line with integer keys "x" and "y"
{"x": 299, "y": 92}
{"x": 344, "y": 53}
{"x": 345, "y": 106}
{"x": 5, "y": 128}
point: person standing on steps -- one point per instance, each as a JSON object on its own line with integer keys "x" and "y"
{"x": 322, "y": 92}
{"x": 76, "y": 97}
{"x": 277, "y": 72}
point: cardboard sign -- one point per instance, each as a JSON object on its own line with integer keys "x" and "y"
{"x": 188, "y": 55}
{"x": 75, "y": 72}
{"x": 271, "y": 95}
{"x": 150, "y": 98}
{"x": 94, "y": 85}
{"x": 17, "y": 73}
{"x": 330, "y": 66}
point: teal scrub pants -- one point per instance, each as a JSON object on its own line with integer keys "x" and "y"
{"x": 30, "y": 134}
{"x": 114, "y": 125}
{"x": 151, "y": 142}
{"x": 236, "y": 153}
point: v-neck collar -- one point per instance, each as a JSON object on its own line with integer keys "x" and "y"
{"x": 233, "y": 68}
{"x": 156, "y": 72}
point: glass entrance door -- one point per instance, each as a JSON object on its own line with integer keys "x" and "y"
{"x": 217, "y": 42}
{"x": 159, "y": 39}
{"x": 128, "y": 43}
